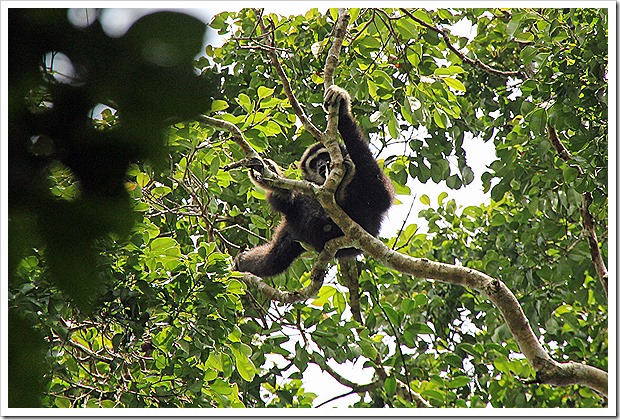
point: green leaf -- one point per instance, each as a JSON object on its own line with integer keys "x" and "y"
{"x": 454, "y": 182}
{"x": 413, "y": 58}
{"x": 165, "y": 246}
{"x": 513, "y": 25}
{"x": 423, "y": 15}
{"x": 570, "y": 173}
{"x": 221, "y": 387}
{"x": 441, "y": 197}
{"x": 528, "y": 54}
{"x": 244, "y": 365}
{"x": 525, "y": 37}
{"x": 325, "y": 293}
{"x": 368, "y": 349}
{"x": 393, "y": 127}
{"x": 454, "y": 83}
{"x": 440, "y": 118}
{"x": 468, "y": 175}
{"x": 245, "y": 102}
{"x": 420, "y": 328}
{"x": 421, "y": 300}
{"x": 218, "y": 105}
{"x": 459, "y": 382}
{"x": 265, "y": 92}
{"x": 333, "y": 12}
{"x": 455, "y": 70}
{"x": 270, "y": 103}
{"x": 215, "y": 361}
{"x": 501, "y": 363}
{"x": 440, "y": 170}
{"x": 143, "y": 179}
{"x": 393, "y": 316}
{"x": 390, "y": 386}
{"x": 537, "y": 120}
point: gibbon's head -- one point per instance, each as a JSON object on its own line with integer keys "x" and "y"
{"x": 316, "y": 163}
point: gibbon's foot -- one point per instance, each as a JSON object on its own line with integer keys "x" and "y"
{"x": 257, "y": 169}
{"x": 334, "y": 95}
{"x": 255, "y": 164}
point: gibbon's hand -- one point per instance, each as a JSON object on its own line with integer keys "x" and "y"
{"x": 335, "y": 95}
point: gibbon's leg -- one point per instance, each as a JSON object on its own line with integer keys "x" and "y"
{"x": 273, "y": 257}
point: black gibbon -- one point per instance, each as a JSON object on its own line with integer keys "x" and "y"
{"x": 365, "y": 194}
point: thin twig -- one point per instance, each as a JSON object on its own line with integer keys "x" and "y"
{"x": 473, "y": 62}
{"x": 275, "y": 61}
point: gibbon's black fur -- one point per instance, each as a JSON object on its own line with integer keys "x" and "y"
{"x": 365, "y": 194}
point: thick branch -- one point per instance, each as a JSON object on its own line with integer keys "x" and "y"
{"x": 559, "y": 146}
{"x": 569, "y": 373}
{"x": 350, "y": 279}
{"x": 331, "y": 142}
{"x": 493, "y": 289}
{"x": 340, "y": 31}
{"x": 586, "y": 216}
{"x": 595, "y": 251}
{"x": 496, "y": 291}
{"x": 327, "y": 192}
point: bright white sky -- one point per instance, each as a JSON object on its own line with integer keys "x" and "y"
{"x": 116, "y": 22}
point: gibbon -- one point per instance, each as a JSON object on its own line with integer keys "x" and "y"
{"x": 365, "y": 194}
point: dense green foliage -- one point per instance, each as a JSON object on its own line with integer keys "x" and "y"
{"x": 168, "y": 324}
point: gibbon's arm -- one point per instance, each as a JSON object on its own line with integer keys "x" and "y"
{"x": 284, "y": 201}
{"x": 350, "y": 131}
{"x": 281, "y": 200}
{"x": 369, "y": 180}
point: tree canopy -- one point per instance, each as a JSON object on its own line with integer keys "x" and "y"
{"x": 129, "y": 197}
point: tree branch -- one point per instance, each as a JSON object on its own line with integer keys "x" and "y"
{"x": 548, "y": 370}
{"x": 275, "y": 61}
{"x": 254, "y": 160}
{"x": 350, "y": 279}
{"x": 446, "y": 37}
{"x": 317, "y": 275}
{"x": 586, "y": 216}
{"x": 237, "y": 135}
{"x": 330, "y": 138}
{"x": 340, "y": 31}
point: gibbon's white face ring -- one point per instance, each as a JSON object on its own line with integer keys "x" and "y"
{"x": 317, "y": 166}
